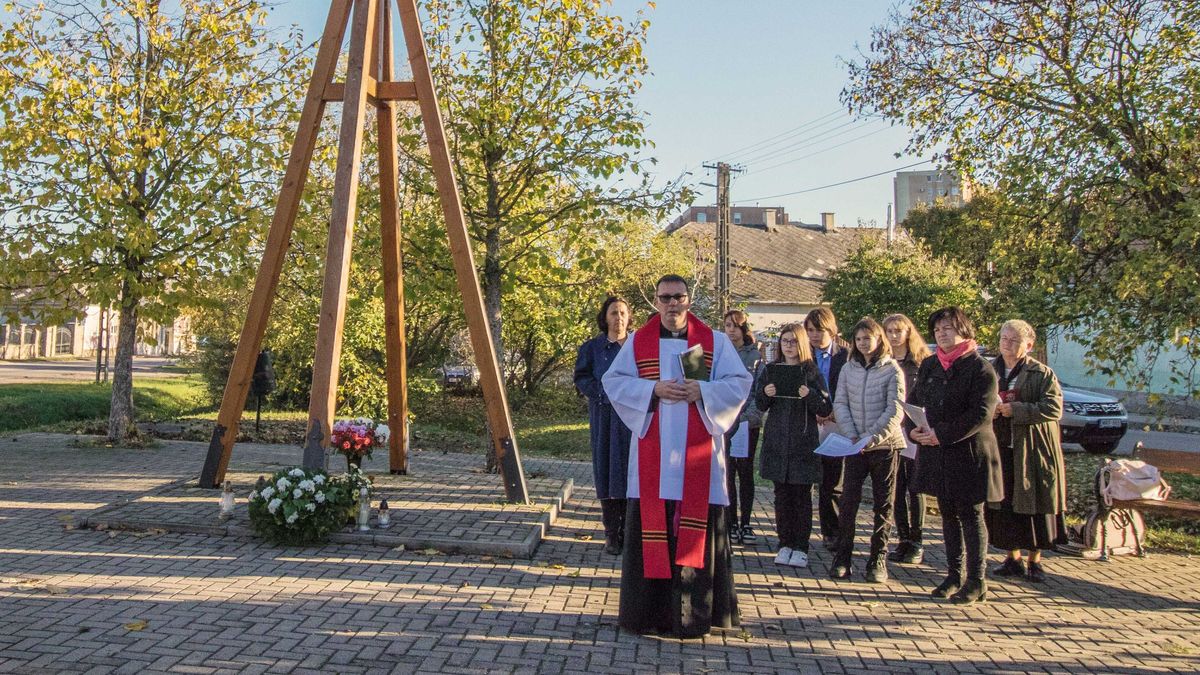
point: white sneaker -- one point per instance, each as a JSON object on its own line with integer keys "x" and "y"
{"x": 798, "y": 559}
{"x": 784, "y": 557}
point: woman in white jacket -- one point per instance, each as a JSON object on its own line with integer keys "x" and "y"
{"x": 867, "y": 406}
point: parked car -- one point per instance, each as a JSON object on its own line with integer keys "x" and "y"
{"x": 1095, "y": 421}
{"x": 460, "y": 377}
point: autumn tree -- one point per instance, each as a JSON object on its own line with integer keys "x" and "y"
{"x": 876, "y": 280}
{"x": 546, "y": 135}
{"x": 1082, "y": 114}
{"x": 141, "y": 152}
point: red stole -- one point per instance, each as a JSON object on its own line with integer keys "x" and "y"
{"x": 697, "y": 465}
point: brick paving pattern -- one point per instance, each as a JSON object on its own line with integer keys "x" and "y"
{"x": 107, "y": 601}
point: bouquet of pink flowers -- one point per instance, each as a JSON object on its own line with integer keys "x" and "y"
{"x": 357, "y": 437}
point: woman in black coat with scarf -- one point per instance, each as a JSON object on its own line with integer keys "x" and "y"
{"x": 958, "y": 460}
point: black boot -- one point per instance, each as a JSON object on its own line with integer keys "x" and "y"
{"x": 613, "y": 513}
{"x": 975, "y": 590}
{"x": 948, "y": 587}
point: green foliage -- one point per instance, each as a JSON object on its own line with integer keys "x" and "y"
{"x": 1082, "y": 115}
{"x": 876, "y": 280}
{"x": 139, "y": 155}
{"x": 300, "y": 507}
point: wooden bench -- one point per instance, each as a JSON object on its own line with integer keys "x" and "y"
{"x": 1175, "y": 461}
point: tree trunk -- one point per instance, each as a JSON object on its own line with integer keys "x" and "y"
{"x": 492, "y": 288}
{"x": 120, "y": 415}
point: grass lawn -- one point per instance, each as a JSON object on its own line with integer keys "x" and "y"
{"x": 51, "y": 405}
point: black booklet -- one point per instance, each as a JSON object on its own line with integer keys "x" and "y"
{"x": 692, "y": 363}
{"x": 787, "y": 379}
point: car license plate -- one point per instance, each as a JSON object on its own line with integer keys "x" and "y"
{"x": 1109, "y": 424}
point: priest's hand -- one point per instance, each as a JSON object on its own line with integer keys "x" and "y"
{"x": 693, "y": 390}
{"x": 671, "y": 390}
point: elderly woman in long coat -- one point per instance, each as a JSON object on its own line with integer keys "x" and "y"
{"x": 1030, "y": 516}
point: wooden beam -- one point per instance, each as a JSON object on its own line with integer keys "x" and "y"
{"x": 393, "y": 262}
{"x": 241, "y": 372}
{"x": 499, "y": 420}
{"x": 323, "y": 397}
{"x": 379, "y": 91}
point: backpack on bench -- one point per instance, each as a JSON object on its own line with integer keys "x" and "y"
{"x": 1107, "y": 531}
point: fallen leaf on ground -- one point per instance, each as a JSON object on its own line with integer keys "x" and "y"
{"x": 745, "y": 635}
{"x": 574, "y": 575}
{"x": 429, "y": 551}
{"x": 112, "y": 534}
{"x": 54, "y": 590}
{"x": 65, "y": 517}
{"x": 583, "y": 537}
{"x": 556, "y": 566}
{"x": 140, "y": 624}
{"x": 485, "y": 606}
{"x": 486, "y": 558}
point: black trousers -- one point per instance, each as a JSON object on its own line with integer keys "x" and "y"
{"x": 963, "y": 527}
{"x": 793, "y": 515}
{"x": 910, "y": 505}
{"x": 830, "y": 495}
{"x": 880, "y": 465}
{"x": 741, "y": 482}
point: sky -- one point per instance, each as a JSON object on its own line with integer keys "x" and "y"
{"x": 754, "y": 83}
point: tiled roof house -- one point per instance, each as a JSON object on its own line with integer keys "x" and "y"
{"x": 779, "y": 266}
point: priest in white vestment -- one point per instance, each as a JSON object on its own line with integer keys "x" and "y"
{"x": 676, "y": 575}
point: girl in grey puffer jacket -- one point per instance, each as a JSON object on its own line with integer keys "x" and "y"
{"x": 867, "y": 405}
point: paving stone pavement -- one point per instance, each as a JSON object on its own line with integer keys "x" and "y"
{"x": 101, "y": 602}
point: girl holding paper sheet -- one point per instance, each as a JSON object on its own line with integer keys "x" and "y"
{"x": 792, "y": 394}
{"x": 909, "y": 350}
{"x": 867, "y": 406}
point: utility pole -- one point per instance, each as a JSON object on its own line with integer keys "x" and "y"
{"x": 723, "y": 220}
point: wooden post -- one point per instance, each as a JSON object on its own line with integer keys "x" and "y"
{"x": 393, "y": 262}
{"x": 486, "y": 360}
{"x": 242, "y": 371}
{"x": 368, "y": 78}
{"x": 322, "y": 401}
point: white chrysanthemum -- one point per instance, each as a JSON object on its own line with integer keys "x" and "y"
{"x": 296, "y": 473}
{"x": 273, "y": 505}
{"x": 307, "y": 485}
{"x": 320, "y": 497}
{"x": 319, "y": 479}
{"x": 293, "y": 518}
{"x": 283, "y": 484}
{"x": 297, "y": 493}
{"x": 268, "y": 492}
{"x": 253, "y": 495}
{"x": 310, "y": 506}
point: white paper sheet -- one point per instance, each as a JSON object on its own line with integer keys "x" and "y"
{"x": 917, "y": 414}
{"x": 837, "y": 445}
{"x": 739, "y": 446}
{"x": 910, "y": 449}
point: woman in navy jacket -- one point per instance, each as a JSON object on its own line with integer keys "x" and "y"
{"x": 610, "y": 436}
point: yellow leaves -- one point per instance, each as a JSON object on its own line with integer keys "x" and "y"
{"x": 137, "y": 626}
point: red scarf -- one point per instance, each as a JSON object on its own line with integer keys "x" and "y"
{"x": 697, "y": 467}
{"x": 948, "y": 359}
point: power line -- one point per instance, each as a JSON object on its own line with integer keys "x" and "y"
{"x": 799, "y": 144}
{"x": 818, "y": 152}
{"x": 844, "y": 182}
{"x": 789, "y": 132}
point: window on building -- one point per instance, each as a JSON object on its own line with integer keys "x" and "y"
{"x": 30, "y": 335}
{"x": 3, "y": 334}
{"x": 702, "y": 217}
{"x": 64, "y": 339}
{"x": 737, "y": 217}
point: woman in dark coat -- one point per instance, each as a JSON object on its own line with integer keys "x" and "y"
{"x": 792, "y": 394}
{"x": 610, "y": 436}
{"x": 958, "y": 461}
{"x": 1026, "y": 424}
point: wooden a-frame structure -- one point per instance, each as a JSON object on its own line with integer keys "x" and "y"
{"x": 370, "y": 80}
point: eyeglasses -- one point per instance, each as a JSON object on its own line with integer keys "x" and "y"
{"x": 789, "y": 342}
{"x": 666, "y": 298}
